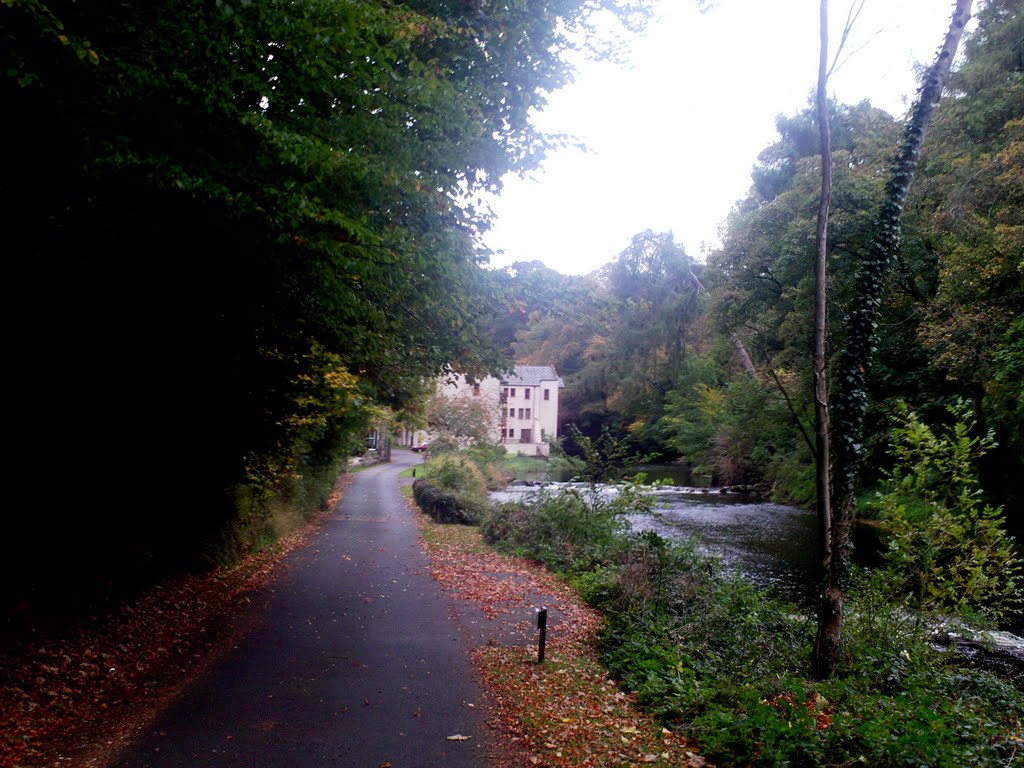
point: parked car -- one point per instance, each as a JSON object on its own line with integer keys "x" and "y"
{"x": 421, "y": 447}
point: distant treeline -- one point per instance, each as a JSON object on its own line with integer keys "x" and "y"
{"x": 709, "y": 361}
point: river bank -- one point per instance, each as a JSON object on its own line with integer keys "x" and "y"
{"x": 772, "y": 544}
{"x": 729, "y": 663}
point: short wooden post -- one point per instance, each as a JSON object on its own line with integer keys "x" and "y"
{"x": 542, "y": 625}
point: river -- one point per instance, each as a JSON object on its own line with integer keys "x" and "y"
{"x": 773, "y": 545}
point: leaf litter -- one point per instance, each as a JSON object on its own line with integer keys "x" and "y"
{"x": 78, "y": 694}
{"x": 567, "y": 711}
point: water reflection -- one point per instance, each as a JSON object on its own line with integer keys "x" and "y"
{"x": 772, "y": 544}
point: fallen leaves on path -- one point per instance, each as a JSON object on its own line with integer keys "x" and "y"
{"x": 568, "y": 711}
{"x": 86, "y": 690}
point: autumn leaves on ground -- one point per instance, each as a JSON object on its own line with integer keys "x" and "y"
{"x": 566, "y": 712}
{"x": 77, "y": 698}
{"x": 78, "y": 695}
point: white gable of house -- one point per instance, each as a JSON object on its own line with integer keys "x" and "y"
{"x": 526, "y": 406}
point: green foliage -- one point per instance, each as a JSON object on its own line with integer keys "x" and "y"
{"x": 520, "y": 467}
{"x": 761, "y": 279}
{"x": 966, "y": 219}
{"x": 727, "y": 664}
{"x": 227, "y": 206}
{"x": 445, "y": 506}
{"x": 452, "y": 489}
{"x": 740, "y": 431}
{"x": 558, "y": 466}
{"x": 489, "y": 460}
{"x": 617, "y": 336}
{"x": 945, "y": 544}
{"x": 454, "y": 472}
{"x": 263, "y": 514}
{"x": 571, "y": 530}
{"x": 605, "y": 459}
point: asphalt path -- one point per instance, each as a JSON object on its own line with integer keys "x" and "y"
{"x": 354, "y": 659}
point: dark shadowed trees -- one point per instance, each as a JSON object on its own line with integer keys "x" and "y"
{"x": 236, "y": 226}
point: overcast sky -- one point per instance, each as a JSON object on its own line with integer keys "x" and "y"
{"x": 673, "y": 133}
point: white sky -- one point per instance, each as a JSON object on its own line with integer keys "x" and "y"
{"x": 672, "y": 135}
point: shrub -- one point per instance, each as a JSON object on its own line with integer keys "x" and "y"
{"x": 488, "y": 459}
{"x": 456, "y": 473}
{"x": 444, "y": 506}
{"x": 452, "y": 489}
{"x": 575, "y": 530}
{"x": 946, "y": 546}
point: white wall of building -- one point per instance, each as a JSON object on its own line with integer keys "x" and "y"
{"x": 487, "y": 391}
{"x": 525, "y": 407}
{"x": 530, "y": 420}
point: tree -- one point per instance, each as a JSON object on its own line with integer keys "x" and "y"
{"x": 822, "y": 436}
{"x": 961, "y": 264}
{"x": 761, "y": 290}
{"x": 760, "y": 281}
{"x": 460, "y": 420}
{"x": 849, "y": 401}
{"x": 619, "y": 337}
{"x": 222, "y": 208}
{"x": 658, "y": 325}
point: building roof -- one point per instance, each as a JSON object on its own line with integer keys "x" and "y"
{"x": 531, "y": 376}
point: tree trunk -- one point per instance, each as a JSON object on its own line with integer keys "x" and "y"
{"x": 744, "y": 356}
{"x": 849, "y": 399}
{"x": 822, "y": 449}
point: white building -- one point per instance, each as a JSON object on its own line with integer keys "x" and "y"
{"x": 529, "y": 409}
{"x": 525, "y": 406}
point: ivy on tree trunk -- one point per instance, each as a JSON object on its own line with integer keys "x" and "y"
{"x": 849, "y": 396}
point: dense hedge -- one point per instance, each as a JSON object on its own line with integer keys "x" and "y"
{"x": 443, "y": 506}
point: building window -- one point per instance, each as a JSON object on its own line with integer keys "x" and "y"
{"x": 528, "y": 413}
{"x": 512, "y": 392}
{"x": 547, "y": 394}
{"x": 526, "y": 394}
{"x": 511, "y": 433}
{"x": 520, "y": 413}
{"x": 476, "y": 389}
{"x": 511, "y": 413}
{"x": 504, "y": 392}
{"x": 542, "y": 433}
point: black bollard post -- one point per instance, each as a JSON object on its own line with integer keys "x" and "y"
{"x": 542, "y": 625}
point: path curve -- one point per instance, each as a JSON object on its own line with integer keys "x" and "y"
{"x": 354, "y": 659}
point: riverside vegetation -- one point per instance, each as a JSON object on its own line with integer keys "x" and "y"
{"x": 729, "y": 665}
{"x": 335, "y": 269}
